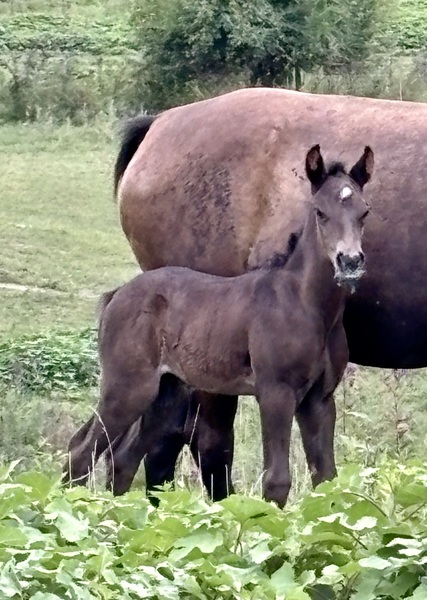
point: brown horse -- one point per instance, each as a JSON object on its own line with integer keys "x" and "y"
{"x": 275, "y": 332}
{"x": 215, "y": 186}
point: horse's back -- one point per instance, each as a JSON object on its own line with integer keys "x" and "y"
{"x": 219, "y": 183}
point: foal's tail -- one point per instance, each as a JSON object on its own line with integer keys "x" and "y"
{"x": 105, "y": 300}
{"x": 134, "y": 132}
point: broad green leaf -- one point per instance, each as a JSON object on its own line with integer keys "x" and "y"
{"x": 364, "y": 523}
{"x": 39, "y": 485}
{"x": 72, "y": 529}
{"x": 374, "y": 562}
{"x": 205, "y": 540}
{"x": 260, "y": 552}
{"x": 420, "y": 593}
{"x": 79, "y": 590}
{"x": 9, "y": 581}
{"x": 283, "y": 579}
{"x": 366, "y": 586}
{"x": 321, "y": 591}
{"x": 244, "y": 509}
{"x": 411, "y": 493}
{"x": 11, "y": 535}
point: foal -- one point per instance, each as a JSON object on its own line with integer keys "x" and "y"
{"x": 275, "y": 332}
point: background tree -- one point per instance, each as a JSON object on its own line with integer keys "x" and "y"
{"x": 190, "y": 46}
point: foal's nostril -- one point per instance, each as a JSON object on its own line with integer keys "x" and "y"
{"x": 350, "y": 263}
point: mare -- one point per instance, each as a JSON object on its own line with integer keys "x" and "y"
{"x": 275, "y": 332}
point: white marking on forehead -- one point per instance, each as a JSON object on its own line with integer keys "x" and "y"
{"x": 346, "y": 192}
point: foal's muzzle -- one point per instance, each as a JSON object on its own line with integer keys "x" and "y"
{"x": 350, "y": 268}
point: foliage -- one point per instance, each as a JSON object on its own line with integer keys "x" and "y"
{"x": 185, "y": 45}
{"x": 72, "y": 61}
{"x": 360, "y": 537}
{"x": 54, "y": 67}
{"x": 53, "y": 33}
{"x": 60, "y": 87}
{"x": 408, "y": 25}
{"x": 34, "y": 429}
{"x": 55, "y": 360}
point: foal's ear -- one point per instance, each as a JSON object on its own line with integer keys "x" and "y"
{"x": 315, "y": 167}
{"x": 363, "y": 169}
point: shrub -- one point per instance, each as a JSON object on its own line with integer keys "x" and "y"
{"x": 360, "y": 537}
{"x": 52, "y": 361}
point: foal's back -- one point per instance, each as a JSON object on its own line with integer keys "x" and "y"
{"x": 188, "y": 323}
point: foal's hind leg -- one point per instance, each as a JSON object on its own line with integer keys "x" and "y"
{"x": 123, "y": 459}
{"x": 122, "y": 403}
{"x": 158, "y": 437}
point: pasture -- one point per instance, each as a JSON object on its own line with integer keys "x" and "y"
{"x": 61, "y": 246}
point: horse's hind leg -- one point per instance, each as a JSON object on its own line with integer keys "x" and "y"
{"x": 212, "y": 444}
{"x": 122, "y": 402}
{"x": 167, "y": 418}
{"x": 316, "y": 417}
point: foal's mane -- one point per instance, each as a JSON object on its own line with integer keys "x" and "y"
{"x": 280, "y": 259}
{"x": 336, "y": 168}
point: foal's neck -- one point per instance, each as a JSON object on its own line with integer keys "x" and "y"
{"x": 316, "y": 274}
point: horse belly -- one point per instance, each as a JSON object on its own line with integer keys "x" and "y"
{"x": 221, "y": 373}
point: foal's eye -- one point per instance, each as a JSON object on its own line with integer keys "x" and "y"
{"x": 321, "y": 216}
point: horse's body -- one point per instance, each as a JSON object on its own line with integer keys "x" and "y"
{"x": 216, "y": 186}
{"x": 276, "y": 333}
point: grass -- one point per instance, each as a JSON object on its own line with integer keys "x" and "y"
{"x": 73, "y": 8}
{"x": 58, "y": 224}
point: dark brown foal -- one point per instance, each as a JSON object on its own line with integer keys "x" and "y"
{"x": 274, "y": 332}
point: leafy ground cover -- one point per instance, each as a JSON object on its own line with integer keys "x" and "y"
{"x": 360, "y": 537}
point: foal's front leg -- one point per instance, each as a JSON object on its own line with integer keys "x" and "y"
{"x": 316, "y": 417}
{"x": 277, "y": 402}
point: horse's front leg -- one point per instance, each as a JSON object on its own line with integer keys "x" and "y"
{"x": 277, "y": 402}
{"x": 213, "y": 443}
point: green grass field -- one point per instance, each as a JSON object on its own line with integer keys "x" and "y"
{"x": 59, "y": 226}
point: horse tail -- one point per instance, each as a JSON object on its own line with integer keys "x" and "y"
{"x": 134, "y": 132}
